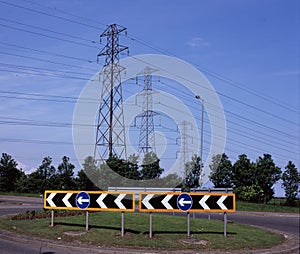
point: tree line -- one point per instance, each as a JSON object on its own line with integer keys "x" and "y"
{"x": 251, "y": 181}
{"x": 254, "y": 181}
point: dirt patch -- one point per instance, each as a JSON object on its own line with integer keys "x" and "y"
{"x": 195, "y": 241}
{"x": 74, "y": 233}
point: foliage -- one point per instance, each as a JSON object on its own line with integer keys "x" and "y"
{"x": 89, "y": 175}
{"x": 171, "y": 181}
{"x": 127, "y": 169}
{"x": 42, "y": 179}
{"x": 244, "y": 180}
{"x": 291, "y": 181}
{"x": 9, "y": 173}
{"x": 221, "y": 171}
{"x": 250, "y": 193}
{"x": 150, "y": 167}
{"x": 243, "y": 172}
{"x": 193, "y": 171}
{"x": 64, "y": 177}
{"x": 266, "y": 174}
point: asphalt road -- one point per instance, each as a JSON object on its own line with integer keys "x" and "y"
{"x": 9, "y": 247}
{"x": 287, "y": 223}
{"x": 13, "y": 204}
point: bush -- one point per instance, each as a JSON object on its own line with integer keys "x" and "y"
{"x": 252, "y": 193}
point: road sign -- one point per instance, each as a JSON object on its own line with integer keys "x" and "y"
{"x": 89, "y": 200}
{"x": 82, "y": 200}
{"x": 184, "y": 202}
{"x": 189, "y": 202}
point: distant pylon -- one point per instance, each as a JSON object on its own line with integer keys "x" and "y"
{"x": 110, "y": 135}
{"x": 147, "y": 135}
{"x": 185, "y": 154}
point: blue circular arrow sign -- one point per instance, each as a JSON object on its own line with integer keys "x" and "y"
{"x": 184, "y": 202}
{"x": 82, "y": 200}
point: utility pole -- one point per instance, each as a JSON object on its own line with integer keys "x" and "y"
{"x": 147, "y": 135}
{"x": 110, "y": 134}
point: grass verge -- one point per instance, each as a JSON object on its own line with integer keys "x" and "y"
{"x": 272, "y": 206}
{"x": 169, "y": 232}
{"x": 33, "y": 195}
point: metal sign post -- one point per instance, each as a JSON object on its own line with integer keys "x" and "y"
{"x": 150, "y": 226}
{"x": 188, "y": 224}
{"x": 122, "y": 224}
{"x": 52, "y": 218}
{"x": 87, "y": 221}
{"x": 225, "y": 224}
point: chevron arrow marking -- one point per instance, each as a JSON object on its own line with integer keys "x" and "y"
{"x": 118, "y": 201}
{"x": 202, "y": 202}
{"x": 100, "y": 200}
{"x": 146, "y": 201}
{"x": 165, "y": 201}
{"x": 220, "y": 203}
{"x": 66, "y": 199}
{"x": 50, "y": 201}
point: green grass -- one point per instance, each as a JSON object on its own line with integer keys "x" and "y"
{"x": 34, "y": 195}
{"x": 168, "y": 231}
{"x": 275, "y": 205}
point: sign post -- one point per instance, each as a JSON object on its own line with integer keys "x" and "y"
{"x": 52, "y": 218}
{"x": 86, "y": 221}
{"x": 150, "y": 226}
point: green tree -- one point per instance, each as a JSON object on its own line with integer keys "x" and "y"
{"x": 243, "y": 172}
{"x": 150, "y": 167}
{"x": 266, "y": 174}
{"x": 193, "y": 171}
{"x": 9, "y": 173}
{"x": 40, "y": 180}
{"x": 64, "y": 177}
{"x": 221, "y": 171}
{"x": 46, "y": 170}
{"x": 88, "y": 172}
{"x": 22, "y": 185}
{"x": 290, "y": 183}
{"x": 127, "y": 169}
{"x": 171, "y": 181}
{"x": 245, "y": 184}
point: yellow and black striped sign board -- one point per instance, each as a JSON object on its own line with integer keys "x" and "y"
{"x": 89, "y": 200}
{"x": 186, "y": 202}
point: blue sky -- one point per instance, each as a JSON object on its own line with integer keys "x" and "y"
{"x": 248, "y": 50}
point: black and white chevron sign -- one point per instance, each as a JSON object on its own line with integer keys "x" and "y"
{"x": 89, "y": 200}
{"x": 191, "y": 202}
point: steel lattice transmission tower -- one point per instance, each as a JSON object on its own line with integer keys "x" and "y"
{"x": 147, "y": 135}
{"x": 110, "y": 135}
{"x": 185, "y": 154}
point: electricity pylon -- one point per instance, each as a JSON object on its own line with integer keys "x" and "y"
{"x": 110, "y": 135}
{"x": 147, "y": 135}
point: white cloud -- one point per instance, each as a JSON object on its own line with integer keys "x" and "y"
{"x": 24, "y": 168}
{"x": 21, "y": 165}
{"x": 27, "y": 172}
{"x": 197, "y": 42}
